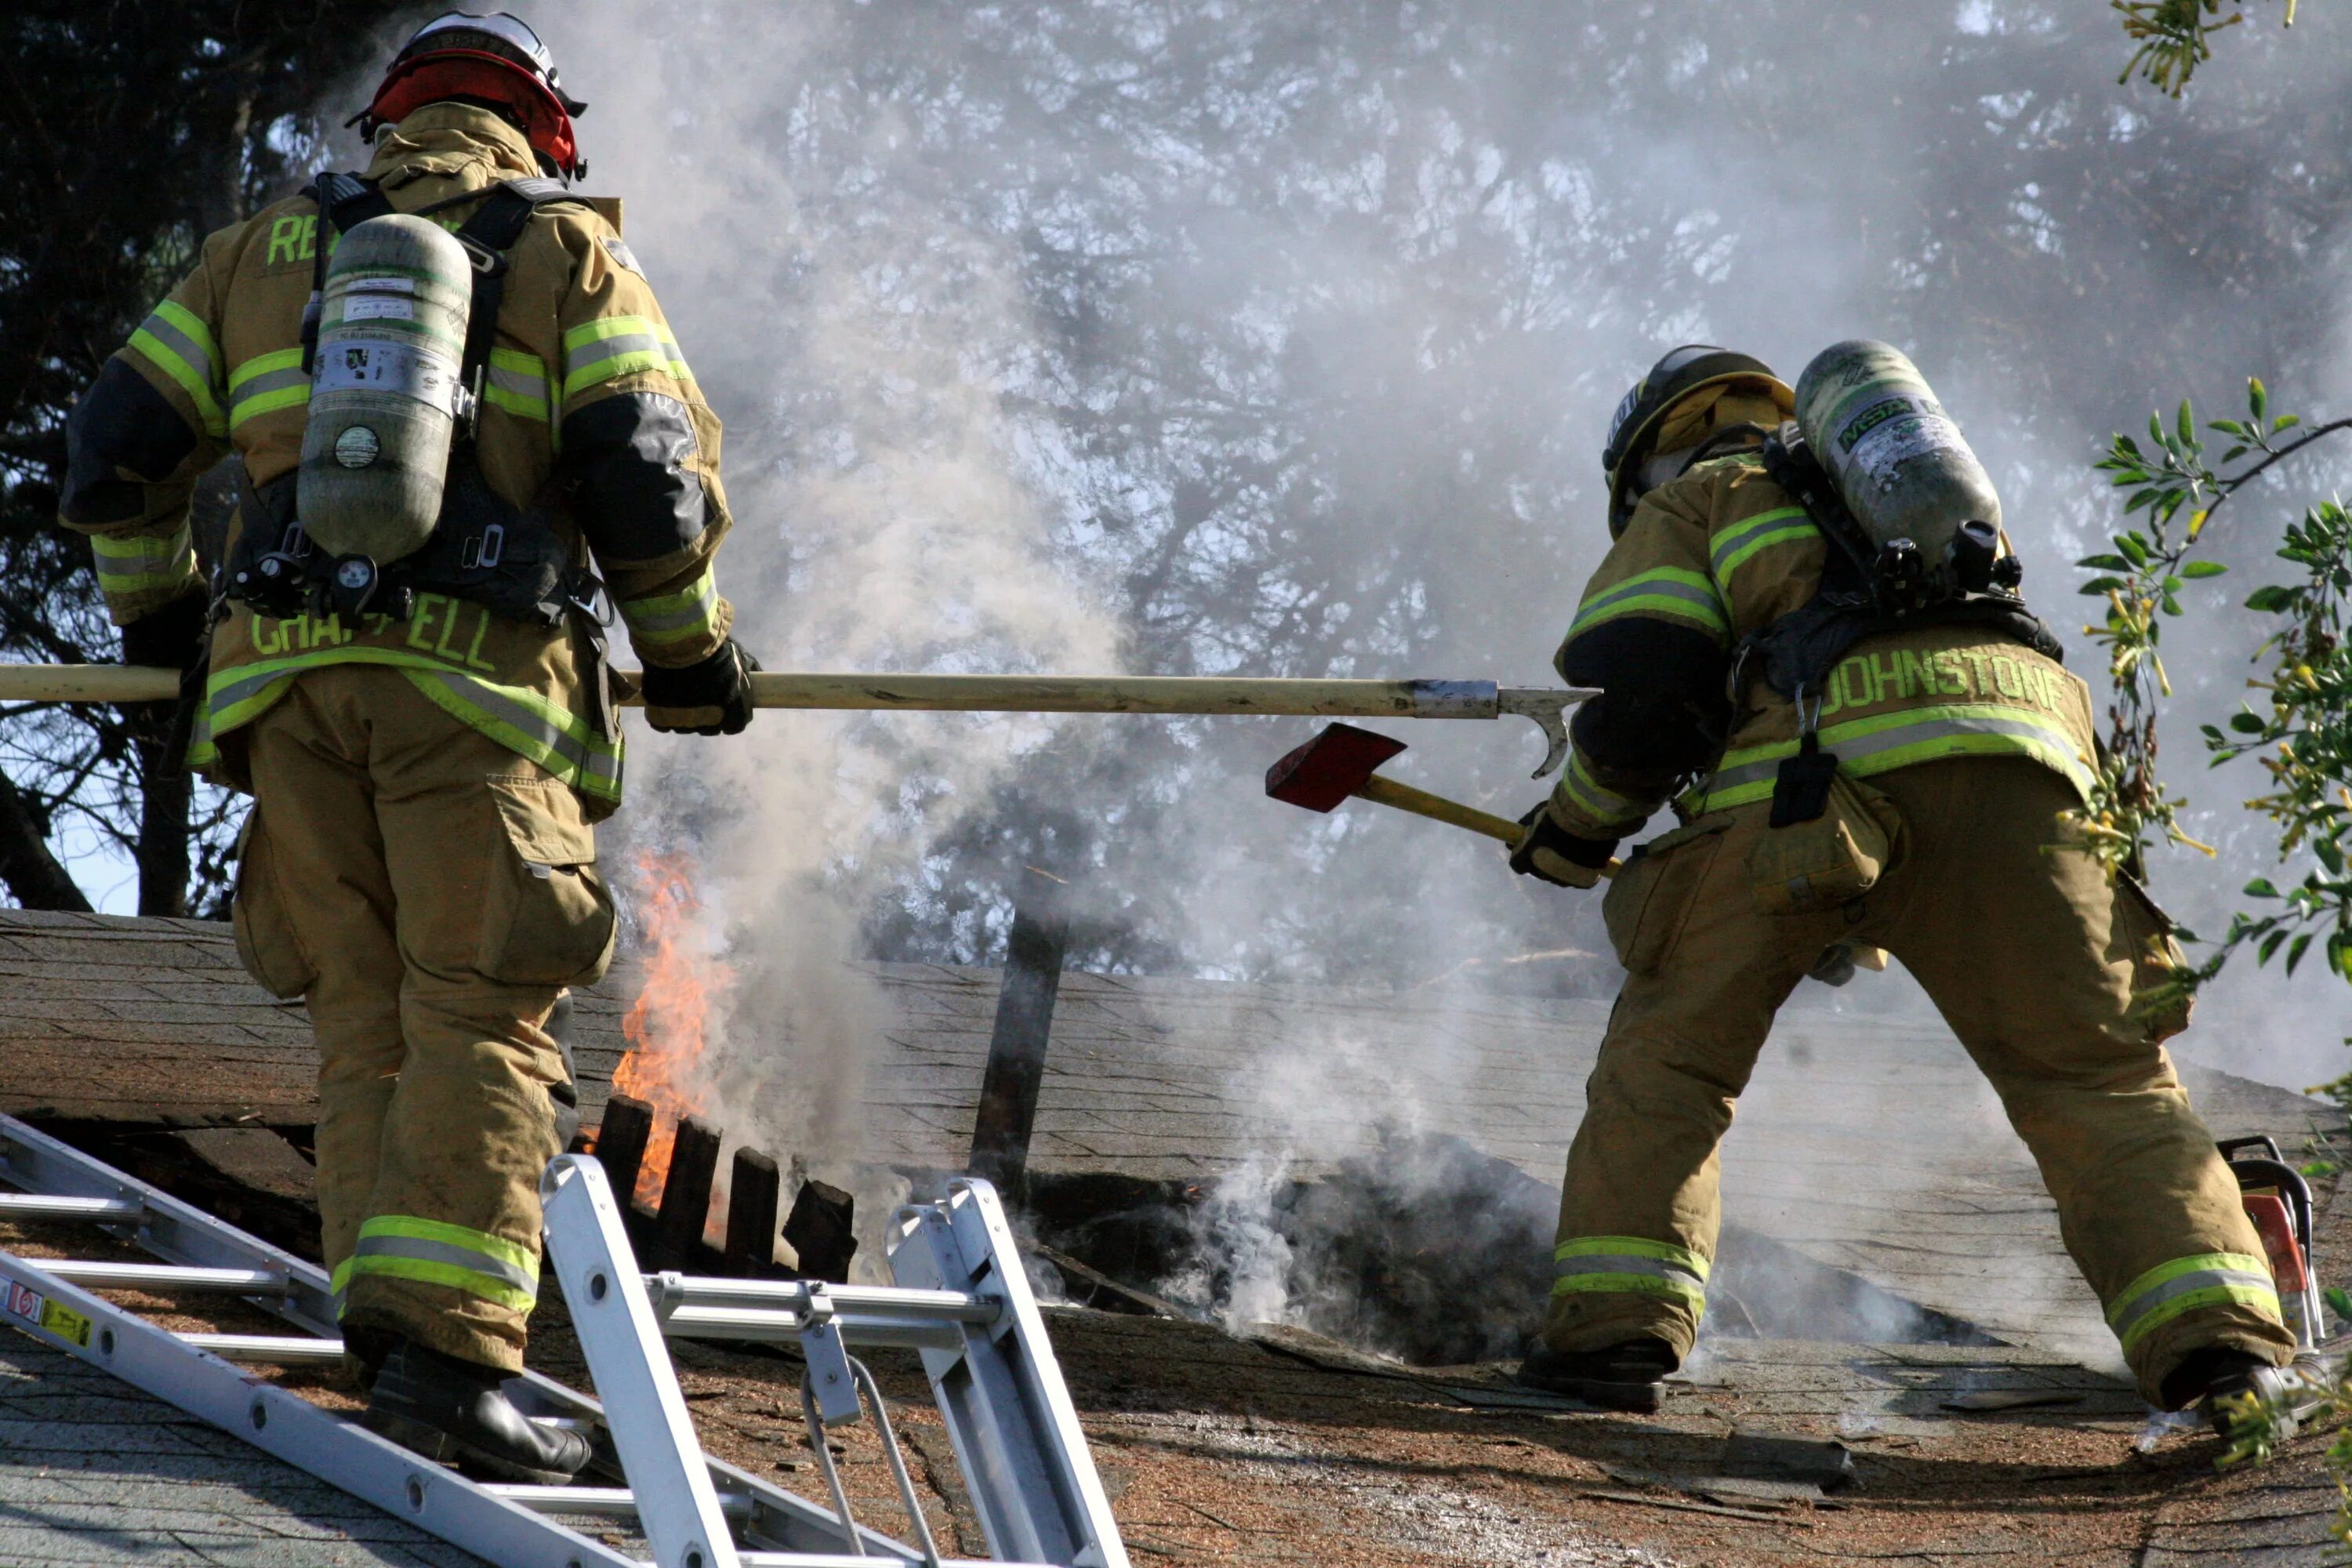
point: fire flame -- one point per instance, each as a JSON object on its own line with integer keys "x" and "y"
{"x": 667, "y": 1028}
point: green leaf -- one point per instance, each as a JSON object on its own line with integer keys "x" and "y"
{"x": 2285, "y": 422}
{"x": 2318, "y": 1168}
{"x": 2105, "y": 563}
{"x": 2258, "y": 397}
{"x": 2270, "y": 946}
{"x": 2260, "y": 888}
{"x": 2101, "y": 586}
{"x": 2186, "y": 423}
{"x": 2193, "y": 569}
{"x": 2339, "y": 954}
{"x": 2172, "y": 605}
{"x": 2272, "y": 599}
{"x": 2234, "y": 453}
{"x": 2294, "y": 953}
{"x": 2170, "y": 584}
{"x": 2339, "y": 1301}
{"x": 2246, "y": 723}
{"x": 2134, "y": 548}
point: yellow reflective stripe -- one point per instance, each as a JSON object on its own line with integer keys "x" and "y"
{"x": 1596, "y": 803}
{"x": 1736, "y": 544}
{"x": 2185, "y": 1284}
{"x": 517, "y": 383}
{"x": 523, "y": 722}
{"x": 611, "y": 346}
{"x": 1629, "y": 1264}
{"x": 430, "y": 1271}
{"x": 1901, "y": 739}
{"x": 496, "y": 1250}
{"x": 1669, "y": 591}
{"x": 132, "y": 564}
{"x": 180, "y": 345}
{"x": 674, "y": 617}
{"x": 267, "y": 383}
{"x": 1681, "y": 1257}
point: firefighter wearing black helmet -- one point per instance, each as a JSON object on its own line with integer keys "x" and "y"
{"x": 1917, "y": 805}
{"x": 420, "y": 866}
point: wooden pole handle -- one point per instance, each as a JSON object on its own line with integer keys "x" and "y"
{"x": 1421, "y": 802}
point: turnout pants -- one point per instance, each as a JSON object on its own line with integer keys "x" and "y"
{"x": 2031, "y": 955}
{"x": 428, "y": 894}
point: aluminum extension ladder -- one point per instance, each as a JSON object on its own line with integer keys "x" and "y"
{"x": 969, "y": 1314}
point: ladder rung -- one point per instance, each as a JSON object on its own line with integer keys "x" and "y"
{"x": 776, "y": 1326}
{"x": 160, "y": 1276}
{"x": 597, "y": 1502}
{"x": 269, "y": 1350}
{"x": 41, "y": 1205}
{"x": 794, "y": 1295}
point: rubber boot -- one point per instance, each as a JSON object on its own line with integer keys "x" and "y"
{"x": 456, "y": 1412}
{"x": 1629, "y": 1375}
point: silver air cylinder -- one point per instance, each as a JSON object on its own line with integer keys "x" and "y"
{"x": 1895, "y": 457}
{"x": 385, "y": 394}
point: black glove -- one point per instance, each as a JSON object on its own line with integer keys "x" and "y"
{"x": 172, "y": 637}
{"x": 1557, "y": 856}
{"x": 712, "y": 697}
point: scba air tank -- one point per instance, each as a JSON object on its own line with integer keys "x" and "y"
{"x": 385, "y": 392}
{"x": 1894, "y": 455}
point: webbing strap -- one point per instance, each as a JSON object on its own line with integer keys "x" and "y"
{"x": 488, "y": 236}
{"x": 345, "y": 202}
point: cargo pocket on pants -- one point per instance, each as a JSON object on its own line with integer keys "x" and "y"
{"x": 1649, "y": 900}
{"x": 2148, "y": 932}
{"x": 547, "y": 918}
{"x": 266, "y": 942}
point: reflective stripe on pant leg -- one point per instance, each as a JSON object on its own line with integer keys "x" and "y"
{"x": 1629, "y": 1264}
{"x": 403, "y": 1247}
{"x": 2186, "y": 1284}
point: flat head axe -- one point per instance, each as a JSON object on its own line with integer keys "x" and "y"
{"x": 1344, "y": 762}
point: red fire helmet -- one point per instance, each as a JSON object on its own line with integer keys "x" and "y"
{"x": 496, "y": 58}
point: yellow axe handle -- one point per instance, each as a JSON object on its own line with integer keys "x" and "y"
{"x": 1421, "y": 802}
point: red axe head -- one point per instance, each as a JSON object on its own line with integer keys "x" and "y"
{"x": 1329, "y": 768}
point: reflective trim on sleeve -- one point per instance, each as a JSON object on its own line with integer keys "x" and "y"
{"x": 132, "y": 564}
{"x": 664, "y": 618}
{"x": 176, "y": 342}
{"x": 1662, "y": 591}
{"x": 1629, "y": 1264}
{"x": 1735, "y": 545}
{"x": 2186, "y": 1284}
{"x": 523, "y": 722}
{"x": 403, "y": 1247}
{"x": 1594, "y": 802}
{"x": 517, "y": 383}
{"x": 1907, "y": 736}
{"x": 619, "y": 345}
{"x": 265, "y": 384}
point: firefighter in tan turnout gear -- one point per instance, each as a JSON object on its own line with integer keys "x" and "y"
{"x": 1915, "y": 809}
{"x": 428, "y": 739}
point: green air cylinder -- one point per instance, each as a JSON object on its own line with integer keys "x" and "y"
{"x": 385, "y": 392}
{"x": 1895, "y": 457}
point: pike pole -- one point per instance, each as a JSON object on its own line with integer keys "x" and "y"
{"x": 1545, "y": 708}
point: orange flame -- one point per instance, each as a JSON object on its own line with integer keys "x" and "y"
{"x": 667, "y": 1028}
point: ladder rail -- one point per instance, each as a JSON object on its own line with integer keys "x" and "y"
{"x": 180, "y": 1233}
{"x": 283, "y": 1424}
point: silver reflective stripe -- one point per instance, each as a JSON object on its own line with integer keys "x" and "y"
{"x": 1621, "y": 1263}
{"x": 443, "y": 1252}
{"x": 254, "y": 386}
{"x": 2157, "y": 1296}
{"x": 530, "y": 386}
{"x": 576, "y": 755}
{"x": 586, "y": 354}
{"x": 1855, "y": 749}
{"x": 196, "y": 355}
{"x": 1656, "y": 587}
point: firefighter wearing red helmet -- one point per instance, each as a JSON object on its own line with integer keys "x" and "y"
{"x": 427, "y": 760}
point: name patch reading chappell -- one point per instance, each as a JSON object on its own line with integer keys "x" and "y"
{"x": 407, "y": 370}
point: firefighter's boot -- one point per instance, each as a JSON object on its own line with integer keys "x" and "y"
{"x": 456, "y": 1412}
{"x": 1623, "y": 1376}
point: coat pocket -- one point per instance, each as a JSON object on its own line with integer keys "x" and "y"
{"x": 547, "y": 918}
{"x": 1649, "y": 900}
{"x": 266, "y": 940}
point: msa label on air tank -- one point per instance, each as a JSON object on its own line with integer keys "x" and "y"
{"x": 1893, "y": 430}
{"x": 406, "y": 370}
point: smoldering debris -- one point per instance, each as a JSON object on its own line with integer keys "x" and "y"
{"x": 1421, "y": 1249}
